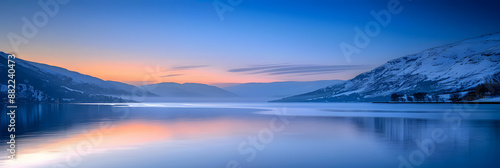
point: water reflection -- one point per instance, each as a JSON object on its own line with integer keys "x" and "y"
{"x": 122, "y": 135}
{"x": 66, "y": 135}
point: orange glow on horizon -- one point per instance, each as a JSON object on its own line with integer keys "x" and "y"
{"x": 130, "y": 71}
{"x": 140, "y": 74}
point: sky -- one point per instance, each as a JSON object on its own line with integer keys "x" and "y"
{"x": 234, "y": 41}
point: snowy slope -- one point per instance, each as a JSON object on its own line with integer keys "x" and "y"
{"x": 495, "y": 99}
{"x": 453, "y": 67}
{"x": 44, "y": 83}
{"x": 80, "y": 78}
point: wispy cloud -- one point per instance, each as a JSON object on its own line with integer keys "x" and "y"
{"x": 176, "y": 68}
{"x": 171, "y": 75}
{"x": 300, "y": 69}
{"x": 256, "y": 68}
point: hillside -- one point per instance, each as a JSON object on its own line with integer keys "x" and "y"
{"x": 449, "y": 68}
{"x": 41, "y": 83}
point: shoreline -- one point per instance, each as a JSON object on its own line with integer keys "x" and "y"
{"x": 439, "y": 102}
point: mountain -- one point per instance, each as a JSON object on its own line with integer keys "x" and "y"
{"x": 81, "y": 78}
{"x": 276, "y": 90}
{"x": 187, "y": 90}
{"x": 454, "y": 67}
{"x": 37, "y": 82}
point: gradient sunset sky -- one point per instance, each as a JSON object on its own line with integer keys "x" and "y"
{"x": 258, "y": 41}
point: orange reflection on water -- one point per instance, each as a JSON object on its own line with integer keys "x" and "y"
{"x": 120, "y": 136}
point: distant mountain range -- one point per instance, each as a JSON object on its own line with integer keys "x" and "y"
{"x": 276, "y": 90}
{"x": 454, "y": 67}
{"x": 171, "y": 89}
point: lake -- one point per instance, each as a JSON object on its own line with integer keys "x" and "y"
{"x": 255, "y": 135}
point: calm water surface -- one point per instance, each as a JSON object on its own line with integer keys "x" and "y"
{"x": 259, "y": 135}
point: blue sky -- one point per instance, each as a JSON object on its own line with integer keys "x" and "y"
{"x": 119, "y": 39}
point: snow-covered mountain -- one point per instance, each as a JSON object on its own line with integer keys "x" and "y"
{"x": 81, "y": 78}
{"x": 454, "y": 67}
{"x": 44, "y": 83}
{"x": 187, "y": 90}
{"x": 275, "y": 90}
